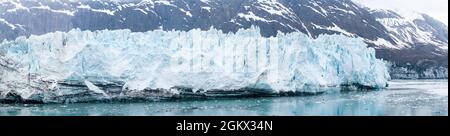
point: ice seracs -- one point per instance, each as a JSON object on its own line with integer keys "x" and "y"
{"x": 199, "y": 61}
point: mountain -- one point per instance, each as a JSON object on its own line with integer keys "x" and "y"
{"x": 416, "y": 45}
{"x": 422, "y": 42}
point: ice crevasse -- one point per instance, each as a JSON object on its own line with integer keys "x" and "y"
{"x": 78, "y": 62}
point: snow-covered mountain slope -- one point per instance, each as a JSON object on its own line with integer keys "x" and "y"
{"x": 41, "y": 68}
{"x": 422, "y": 42}
{"x": 312, "y": 17}
{"x": 410, "y": 28}
{"x": 406, "y": 39}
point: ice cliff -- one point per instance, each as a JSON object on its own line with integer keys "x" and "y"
{"x": 103, "y": 65}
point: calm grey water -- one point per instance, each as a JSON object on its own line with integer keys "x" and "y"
{"x": 402, "y": 98}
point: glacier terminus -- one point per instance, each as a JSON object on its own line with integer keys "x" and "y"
{"x": 104, "y": 65}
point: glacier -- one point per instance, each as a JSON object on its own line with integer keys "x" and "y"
{"x": 81, "y": 66}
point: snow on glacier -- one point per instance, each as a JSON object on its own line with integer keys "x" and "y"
{"x": 201, "y": 60}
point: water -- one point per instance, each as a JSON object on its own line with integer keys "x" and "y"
{"x": 402, "y": 98}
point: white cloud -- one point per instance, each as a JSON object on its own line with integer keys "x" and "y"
{"x": 435, "y": 8}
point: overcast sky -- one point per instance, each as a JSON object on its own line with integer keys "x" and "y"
{"x": 435, "y": 8}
